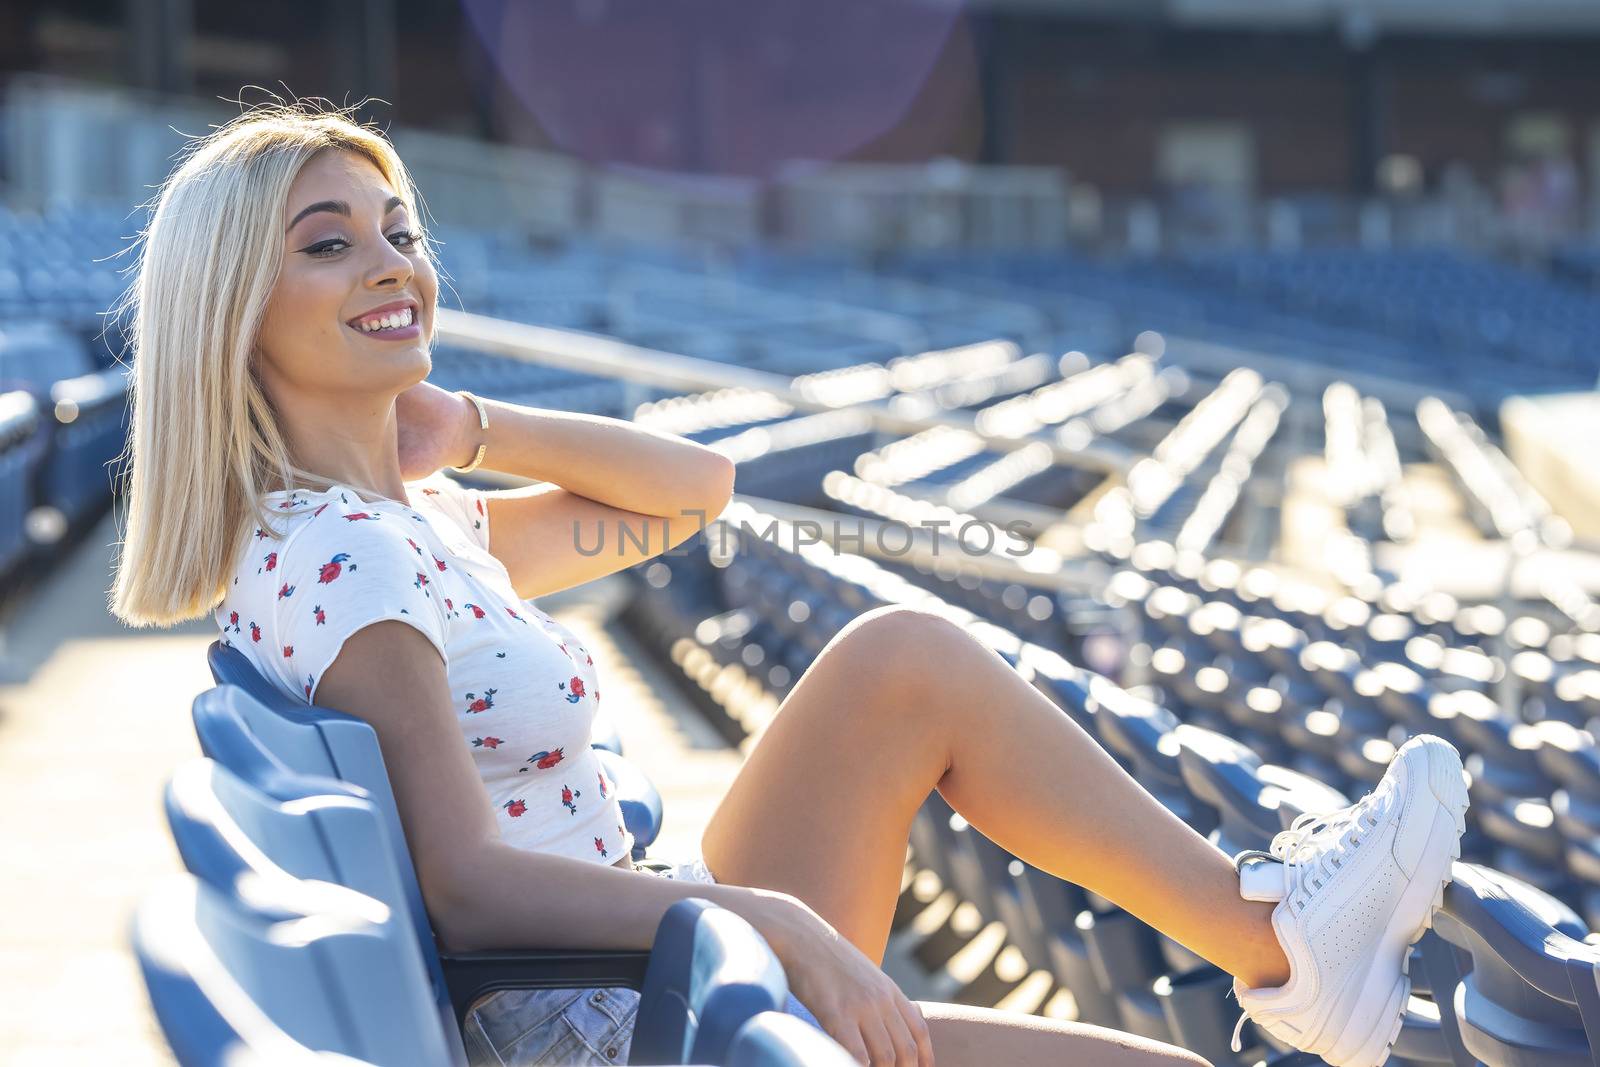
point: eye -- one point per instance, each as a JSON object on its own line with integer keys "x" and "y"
{"x": 325, "y": 249}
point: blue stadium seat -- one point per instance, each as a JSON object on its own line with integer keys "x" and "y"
{"x": 690, "y": 1013}
{"x": 1140, "y": 733}
{"x": 264, "y": 747}
{"x": 1253, "y": 801}
{"x": 299, "y": 851}
{"x": 231, "y": 984}
{"x": 1194, "y": 1005}
{"x": 1127, "y": 959}
{"x": 1058, "y": 904}
{"x": 773, "y": 1039}
{"x": 1516, "y": 984}
{"x": 23, "y": 437}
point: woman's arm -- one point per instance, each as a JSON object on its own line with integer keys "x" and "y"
{"x": 619, "y": 493}
{"x": 608, "y": 460}
{"x": 482, "y": 893}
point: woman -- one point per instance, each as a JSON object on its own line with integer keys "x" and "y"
{"x": 284, "y": 474}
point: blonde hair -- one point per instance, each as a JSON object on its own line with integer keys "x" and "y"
{"x": 205, "y": 442}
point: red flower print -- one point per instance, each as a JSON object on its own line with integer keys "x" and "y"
{"x": 480, "y": 703}
{"x": 269, "y": 563}
{"x": 449, "y": 605}
{"x": 318, "y": 614}
{"x": 261, "y": 535}
{"x": 515, "y": 808}
{"x": 308, "y": 687}
{"x": 575, "y": 689}
{"x": 604, "y": 792}
{"x": 288, "y": 650}
{"x": 314, "y": 514}
{"x": 330, "y": 570}
{"x": 480, "y": 507}
{"x": 233, "y": 620}
{"x": 545, "y": 760}
{"x": 431, "y": 492}
{"x": 286, "y": 591}
{"x": 514, "y": 615}
{"x": 567, "y": 798}
{"x": 356, "y": 516}
{"x": 600, "y": 847}
{"x": 589, "y": 659}
{"x": 414, "y": 546}
{"x": 422, "y": 580}
{"x": 437, "y": 562}
{"x": 255, "y": 632}
{"x": 487, "y": 742}
{"x": 477, "y": 612}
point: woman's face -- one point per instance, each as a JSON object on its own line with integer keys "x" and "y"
{"x": 339, "y": 265}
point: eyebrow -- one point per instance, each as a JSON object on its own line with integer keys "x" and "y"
{"x": 340, "y": 207}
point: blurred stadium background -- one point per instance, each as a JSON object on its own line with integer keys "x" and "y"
{"x": 1275, "y": 322}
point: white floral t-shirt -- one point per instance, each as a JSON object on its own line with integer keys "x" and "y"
{"x": 525, "y": 688}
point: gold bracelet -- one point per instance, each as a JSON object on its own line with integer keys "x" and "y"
{"x": 483, "y": 424}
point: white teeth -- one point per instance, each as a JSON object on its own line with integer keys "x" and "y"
{"x": 391, "y": 321}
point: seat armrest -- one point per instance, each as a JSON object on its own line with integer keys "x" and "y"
{"x": 471, "y": 976}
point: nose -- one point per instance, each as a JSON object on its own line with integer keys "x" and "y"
{"x": 393, "y": 270}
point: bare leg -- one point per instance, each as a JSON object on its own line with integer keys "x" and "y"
{"x": 902, "y": 701}
{"x": 983, "y": 1037}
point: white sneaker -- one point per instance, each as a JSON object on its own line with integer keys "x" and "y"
{"x": 1355, "y": 888}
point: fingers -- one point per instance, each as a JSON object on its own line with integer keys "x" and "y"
{"x": 894, "y": 1032}
{"x": 880, "y": 1043}
{"x": 849, "y": 1035}
{"x": 905, "y": 1045}
{"x": 920, "y": 1035}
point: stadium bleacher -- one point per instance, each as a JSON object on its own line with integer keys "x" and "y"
{"x": 1160, "y": 606}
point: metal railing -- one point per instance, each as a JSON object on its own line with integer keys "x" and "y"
{"x": 608, "y": 357}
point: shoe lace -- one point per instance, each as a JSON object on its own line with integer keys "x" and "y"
{"x": 1311, "y": 850}
{"x": 1312, "y": 847}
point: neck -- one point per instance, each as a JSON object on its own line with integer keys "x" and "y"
{"x": 347, "y": 438}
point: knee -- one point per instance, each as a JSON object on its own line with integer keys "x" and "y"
{"x": 899, "y": 646}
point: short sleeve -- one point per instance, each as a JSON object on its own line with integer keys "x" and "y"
{"x": 340, "y": 574}
{"x": 465, "y": 506}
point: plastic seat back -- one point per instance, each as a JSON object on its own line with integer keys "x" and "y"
{"x": 1514, "y": 982}
{"x": 709, "y": 972}
{"x": 231, "y": 985}
{"x": 263, "y": 747}
{"x": 312, "y": 842}
{"x": 235, "y": 837}
{"x": 312, "y": 742}
{"x": 1140, "y": 734}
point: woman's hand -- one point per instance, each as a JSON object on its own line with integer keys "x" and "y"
{"x": 437, "y": 428}
{"x": 856, "y": 1003}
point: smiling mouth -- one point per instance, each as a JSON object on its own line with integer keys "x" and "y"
{"x": 394, "y": 320}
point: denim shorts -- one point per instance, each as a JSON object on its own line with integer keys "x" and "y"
{"x": 524, "y": 1028}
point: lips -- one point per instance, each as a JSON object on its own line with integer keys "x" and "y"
{"x": 385, "y": 309}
